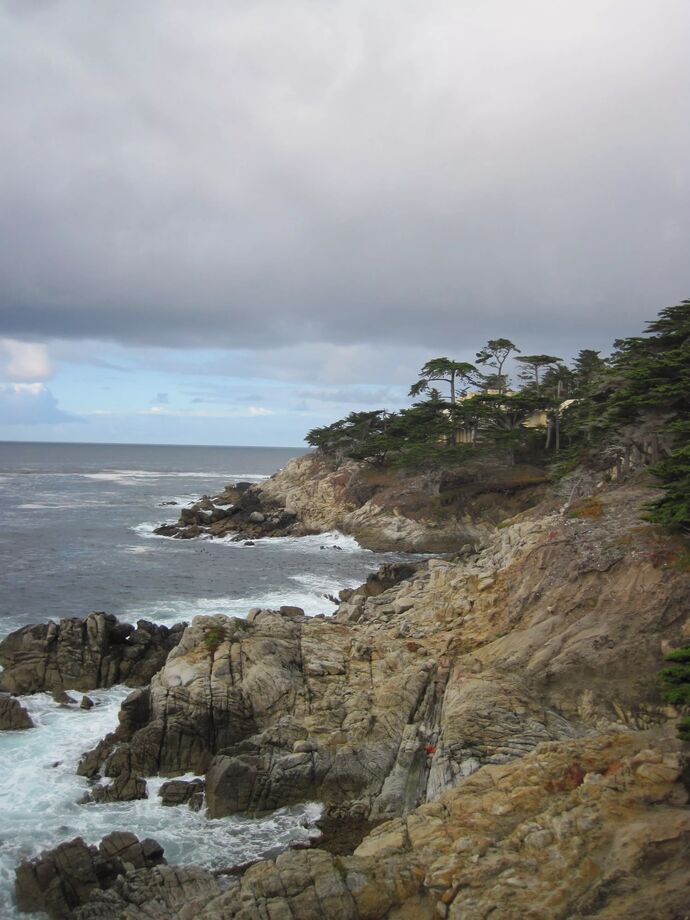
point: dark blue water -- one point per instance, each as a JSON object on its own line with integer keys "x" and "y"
{"x": 76, "y": 535}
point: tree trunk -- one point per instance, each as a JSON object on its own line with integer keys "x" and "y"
{"x": 453, "y": 433}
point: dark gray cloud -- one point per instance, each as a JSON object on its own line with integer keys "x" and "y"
{"x": 258, "y": 174}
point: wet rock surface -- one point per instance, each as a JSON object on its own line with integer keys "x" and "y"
{"x": 13, "y": 716}
{"x": 60, "y": 880}
{"x": 84, "y": 654}
{"x": 183, "y": 792}
{"x": 595, "y": 828}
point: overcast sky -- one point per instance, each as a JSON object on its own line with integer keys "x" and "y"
{"x": 230, "y": 220}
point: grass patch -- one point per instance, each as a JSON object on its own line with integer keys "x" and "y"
{"x": 213, "y": 640}
{"x": 591, "y": 509}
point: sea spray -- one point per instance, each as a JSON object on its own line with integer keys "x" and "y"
{"x": 40, "y": 791}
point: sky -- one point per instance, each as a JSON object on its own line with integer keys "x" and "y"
{"x": 229, "y": 221}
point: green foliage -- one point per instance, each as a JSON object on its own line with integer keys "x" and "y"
{"x": 684, "y": 729}
{"x": 627, "y": 411}
{"x": 458, "y": 374}
{"x": 532, "y": 365}
{"x": 348, "y": 435}
{"x": 651, "y": 403}
{"x": 588, "y": 368}
{"x": 675, "y": 678}
{"x": 495, "y": 354}
{"x": 213, "y": 639}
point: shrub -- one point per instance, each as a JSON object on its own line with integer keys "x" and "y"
{"x": 213, "y": 639}
{"x": 675, "y": 681}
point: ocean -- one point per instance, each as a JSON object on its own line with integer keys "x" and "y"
{"x": 76, "y": 535}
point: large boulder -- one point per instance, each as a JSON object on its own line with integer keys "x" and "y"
{"x": 84, "y": 654}
{"x": 60, "y": 880}
{"x": 13, "y": 716}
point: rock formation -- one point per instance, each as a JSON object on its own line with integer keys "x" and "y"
{"x": 496, "y": 712}
{"x": 183, "y": 792}
{"x": 393, "y": 511}
{"x": 596, "y": 827}
{"x": 556, "y": 629}
{"x": 13, "y": 716}
{"x": 60, "y": 880}
{"x": 84, "y": 654}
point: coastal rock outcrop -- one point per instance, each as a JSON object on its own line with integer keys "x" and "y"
{"x": 555, "y": 629}
{"x": 597, "y": 827}
{"x": 84, "y": 654}
{"x": 495, "y": 713}
{"x": 392, "y": 511}
{"x": 60, "y": 880}
{"x": 13, "y": 716}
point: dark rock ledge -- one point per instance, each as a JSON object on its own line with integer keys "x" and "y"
{"x": 84, "y": 654}
{"x": 60, "y": 880}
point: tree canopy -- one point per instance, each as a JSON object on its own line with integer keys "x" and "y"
{"x": 621, "y": 413}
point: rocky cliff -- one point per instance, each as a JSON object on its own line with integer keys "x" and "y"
{"x": 498, "y": 711}
{"x": 84, "y": 654}
{"x": 384, "y": 510}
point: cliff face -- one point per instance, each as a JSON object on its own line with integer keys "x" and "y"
{"x": 386, "y": 511}
{"x": 555, "y": 629}
{"x": 596, "y": 828}
{"x": 500, "y": 710}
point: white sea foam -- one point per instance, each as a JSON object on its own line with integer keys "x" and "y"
{"x": 40, "y": 790}
{"x": 136, "y": 550}
{"x": 306, "y": 591}
{"x": 331, "y": 540}
{"x": 136, "y": 477}
{"x": 146, "y": 528}
{"x": 62, "y": 505}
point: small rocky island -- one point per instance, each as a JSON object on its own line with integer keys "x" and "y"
{"x": 487, "y": 724}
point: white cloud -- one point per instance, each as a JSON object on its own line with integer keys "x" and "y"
{"x": 255, "y": 411}
{"x": 25, "y": 360}
{"x": 30, "y": 404}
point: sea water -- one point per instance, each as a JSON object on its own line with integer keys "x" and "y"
{"x": 77, "y": 535}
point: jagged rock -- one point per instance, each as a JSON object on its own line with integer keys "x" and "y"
{"x": 13, "y": 716}
{"x": 501, "y": 706}
{"x": 158, "y": 894}
{"x": 292, "y": 612}
{"x": 77, "y": 654}
{"x": 86, "y": 703}
{"x": 59, "y": 880}
{"x": 401, "y": 512}
{"x": 597, "y": 828}
{"x": 183, "y": 792}
{"x": 63, "y": 699}
{"x": 422, "y": 677}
